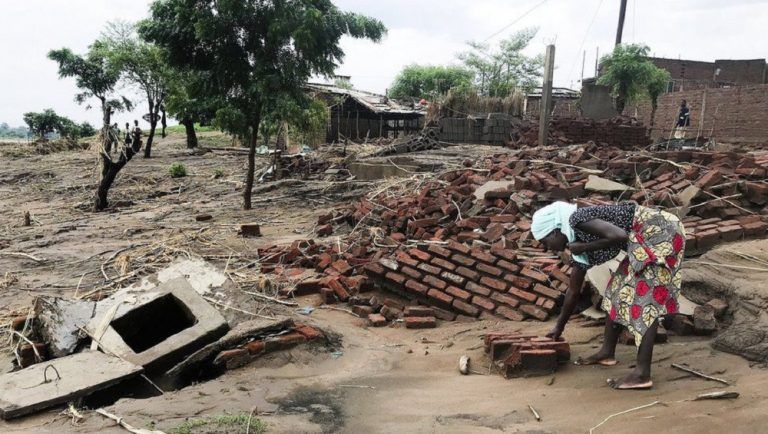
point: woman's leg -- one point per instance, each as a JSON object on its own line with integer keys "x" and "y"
{"x": 608, "y": 350}
{"x": 641, "y": 375}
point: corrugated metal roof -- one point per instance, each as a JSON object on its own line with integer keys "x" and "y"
{"x": 374, "y": 102}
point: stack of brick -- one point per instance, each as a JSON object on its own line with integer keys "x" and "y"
{"x": 619, "y": 132}
{"x": 703, "y": 234}
{"x": 474, "y": 282}
{"x": 523, "y": 355}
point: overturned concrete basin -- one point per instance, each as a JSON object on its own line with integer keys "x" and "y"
{"x": 397, "y": 167}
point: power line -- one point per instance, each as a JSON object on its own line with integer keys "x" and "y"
{"x": 516, "y": 20}
{"x": 584, "y": 39}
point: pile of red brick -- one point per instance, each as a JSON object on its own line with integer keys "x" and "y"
{"x": 246, "y": 353}
{"x": 523, "y": 355}
{"x": 622, "y": 132}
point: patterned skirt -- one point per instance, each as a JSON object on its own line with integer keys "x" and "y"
{"x": 646, "y": 284}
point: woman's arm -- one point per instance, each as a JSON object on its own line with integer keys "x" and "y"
{"x": 571, "y": 297}
{"x": 610, "y": 236}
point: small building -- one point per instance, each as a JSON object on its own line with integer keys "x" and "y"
{"x": 565, "y": 102}
{"x": 357, "y": 115}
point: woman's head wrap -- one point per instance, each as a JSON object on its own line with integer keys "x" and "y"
{"x": 556, "y": 215}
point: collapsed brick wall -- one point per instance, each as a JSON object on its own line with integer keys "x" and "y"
{"x": 620, "y": 132}
{"x": 736, "y": 114}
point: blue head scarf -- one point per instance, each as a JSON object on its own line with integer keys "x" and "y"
{"x": 556, "y": 216}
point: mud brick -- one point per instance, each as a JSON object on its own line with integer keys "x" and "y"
{"x": 444, "y": 314}
{"x": 512, "y": 268}
{"x": 478, "y": 289}
{"x": 749, "y": 219}
{"x": 458, "y": 247}
{"x": 410, "y": 272}
{"x": 463, "y": 260}
{"x": 523, "y": 225}
{"x": 338, "y": 289}
{"x": 469, "y": 274}
{"x": 708, "y": 221}
{"x": 395, "y": 277}
{"x": 404, "y": 258}
{"x": 731, "y": 233}
{"x": 420, "y": 322}
{"x": 485, "y": 257}
{"x": 510, "y": 314}
{"x": 431, "y": 269}
{"x": 434, "y": 282}
{"x": 493, "y": 283}
{"x": 506, "y": 299}
{"x": 757, "y": 228}
{"x": 518, "y": 281}
{"x": 324, "y": 261}
{"x": 287, "y": 340}
{"x": 709, "y": 179}
{"x": 443, "y": 263}
{"x": 483, "y": 303}
{"x": 465, "y": 308}
{"x": 535, "y": 275}
{"x": 458, "y": 293}
{"x": 422, "y": 223}
{"x": 398, "y": 236}
{"x": 702, "y": 228}
{"x": 420, "y": 255}
{"x": 507, "y": 254}
{"x": 394, "y": 304}
{"x": 362, "y": 311}
{"x": 545, "y": 303}
{"x": 500, "y": 348}
{"x": 690, "y": 243}
{"x": 523, "y": 295}
{"x": 377, "y": 320}
{"x": 418, "y": 311}
{"x": 439, "y": 251}
{"x": 309, "y": 332}
{"x": 468, "y": 224}
{"x": 535, "y": 311}
{"x": 489, "y": 337}
{"x": 324, "y": 231}
{"x": 232, "y": 359}
{"x": 546, "y": 291}
{"x": 417, "y": 287}
{"x": 255, "y": 347}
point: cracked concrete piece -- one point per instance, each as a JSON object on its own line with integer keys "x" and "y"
{"x": 27, "y": 391}
{"x": 159, "y": 327}
{"x": 60, "y": 320}
{"x": 597, "y": 183}
{"x": 203, "y": 276}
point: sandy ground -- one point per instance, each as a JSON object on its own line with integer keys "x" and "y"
{"x": 383, "y": 380}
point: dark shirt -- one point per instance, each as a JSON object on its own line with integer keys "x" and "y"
{"x": 684, "y": 117}
{"x": 619, "y": 215}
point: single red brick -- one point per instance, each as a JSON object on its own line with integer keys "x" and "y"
{"x": 535, "y": 275}
{"x": 443, "y": 263}
{"x": 485, "y": 257}
{"x": 404, "y": 258}
{"x": 493, "y": 233}
{"x": 419, "y": 322}
{"x": 328, "y": 295}
{"x": 523, "y": 295}
{"x": 535, "y": 312}
{"x": 434, "y": 282}
{"x": 465, "y": 308}
{"x": 546, "y": 291}
{"x": 420, "y": 254}
{"x": 562, "y": 349}
{"x": 545, "y": 303}
{"x": 309, "y": 332}
{"x": 338, "y": 288}
{"x": 453, "y": 278}
{"x": 559, "y": 275}
{"x": 731, "y": 233}
{"x": 458, "y": 293}
{"x": 374, "y": 268}
{"x": 440, "y": 297}
{"x": 418, "y": 311}
{"x": 440, "y": 251}
{"x": 463, "y": 260}
{"x": 255, "y": 347}
{"x": 431, "y": 269}
{"x": 395, "y": 277}
{"x": 510, "y": 314}
{"x": 469, "y": 274}
{"x": 507, "y": 254}
{"x": 512, "y": 268}
{"x": 518, "y": 281}
{"x": 488, "y": 269}
{"x": 377, "y": 320}
{"x": 342, "y": 266}
{"x": 540, "y": 361}
{"x": 483, "y": 302}
{"x": 410, "y": 272}
{"x": 458, "y": 247}
{"x": 506, "y": 299}
{"x": 503, "y": 218}
{"x": 709, "y": 179}
{"x": 478, "y": 289}
{"x": 417, "y": 287}
{"x": 756, "y": 228}
{"x": 492, "y": 283}
{"x": 422, "y": 223}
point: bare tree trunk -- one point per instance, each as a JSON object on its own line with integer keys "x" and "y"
{"x": 109, "y": 167}
{"x": 189, "y": 127}
{"x": 251, "y": 163}
{"x": 153, "y": 109}
{"x": 162, "y": 122}
{"x": 654, "y": 106}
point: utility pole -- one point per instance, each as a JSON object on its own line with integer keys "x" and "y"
{"x": 583, "y": 62}
{"x": 622, "y": 14}
{"x": 545, "y": 105}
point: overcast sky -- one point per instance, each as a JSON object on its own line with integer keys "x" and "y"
{"x": 420, "y": 31}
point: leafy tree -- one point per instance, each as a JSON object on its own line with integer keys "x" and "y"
{"x": 188, "y": 109}
{"x": 253, "y": 53}
{"x": 658, "y": 81}
{"x": 87, "y": 130}
{"x": 499, "y": 71}
{"x": 143, "y": 66}
{"x": 343, "y": 83}
{"x": 43, "y": 123}
{"x": 425, "y": 81}
{"x": 96, "y": 75}
{"x": 631, "y": 75}
{"x": 6, "y": 131}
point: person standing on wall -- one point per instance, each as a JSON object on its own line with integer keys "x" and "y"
{"x": 683, "y": 120}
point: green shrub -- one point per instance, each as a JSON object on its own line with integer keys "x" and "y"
{"x": 177, "y": 170}
{"x": 218, "y": 173}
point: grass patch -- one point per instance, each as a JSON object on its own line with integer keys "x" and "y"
{"x": 198, "y": 128}
{"x": 239, "y": 423}
{"x": 177, "y": 170}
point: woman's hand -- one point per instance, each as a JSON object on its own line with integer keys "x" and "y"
{"x": 555, "y": 333}
{"x": 577, "y": 248}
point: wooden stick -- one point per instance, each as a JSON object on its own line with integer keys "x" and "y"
{"x": 272, "y": 299}
{"x": 740, "y": 267}
{"x": 591, "y": 430}
{"x": 698, "y": 374}
{"x": 209, "y": 299}
{"x": 535, "y": 413}
{"x": 126, "y": 425}
{"x": 22, "y": 255}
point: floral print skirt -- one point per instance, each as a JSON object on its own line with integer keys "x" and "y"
{"x": 647, "y": 282}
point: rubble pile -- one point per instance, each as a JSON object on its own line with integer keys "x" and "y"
{"x": 620, "y": 131}
{"x": 521, "y": 355}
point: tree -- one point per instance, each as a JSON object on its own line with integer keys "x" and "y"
{"x": 253, "y": 53}
{"x": 629, "y": 73}
{"x": 498, "y": 72}
{"x": 658, "y": 82}
{"x": 143, "y": 66}
{"x": 96, "y": 75}
{"x": 183, "y": 106}
{"x": 424, "y": 81}
{"x": 43, "y": 123}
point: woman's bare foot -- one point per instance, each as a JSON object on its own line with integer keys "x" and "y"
{"x": 632, "y": 381}
{"x": 601, "y": 358}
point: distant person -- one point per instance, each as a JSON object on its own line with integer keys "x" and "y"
{"x": 136, "y": 136}
{"x": 683, "y": 120}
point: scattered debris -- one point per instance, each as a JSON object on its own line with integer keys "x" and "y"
{"x": 717, "y": 395}
{"x": 698, "y": 374}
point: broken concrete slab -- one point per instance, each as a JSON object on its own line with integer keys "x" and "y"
{"x": 59, "y": 381}
{"x": 60, "y": 321}
{"x": 596, "y": 183}
{"x": 492, "y": 186}
{"x": 157, "y": 328}
{"x": 202, "y": 275}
